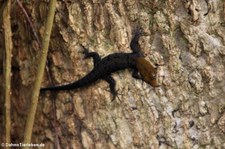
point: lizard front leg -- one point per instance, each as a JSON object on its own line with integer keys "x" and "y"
{"x": 134, "y": 45}
{"x": 136, "y": 75}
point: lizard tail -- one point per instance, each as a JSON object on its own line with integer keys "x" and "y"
{"x": 61, "y": 87}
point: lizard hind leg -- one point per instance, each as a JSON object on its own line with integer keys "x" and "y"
{"x": 112, "y": 85}
{"x": 94, "y": 55}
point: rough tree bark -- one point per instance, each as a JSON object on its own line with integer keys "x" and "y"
{"x": 186, "y": 111}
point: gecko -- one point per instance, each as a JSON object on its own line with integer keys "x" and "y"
{"x": 103, "y": 68}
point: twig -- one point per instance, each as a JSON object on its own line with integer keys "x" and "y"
{"x": 47, "y": 70}
{"x": 40, "y": 72}
{"x": 35, "y": 34}
{"x": 7, "y": 73}
{"x": 30, "y": 22}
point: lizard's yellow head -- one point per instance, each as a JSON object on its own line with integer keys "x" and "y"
{"x": 147, "y": 71}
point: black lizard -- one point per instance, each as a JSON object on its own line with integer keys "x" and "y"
{"x": 103, "y": 68}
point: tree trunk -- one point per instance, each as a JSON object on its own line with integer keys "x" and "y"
{"x": 185, "y": 40}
